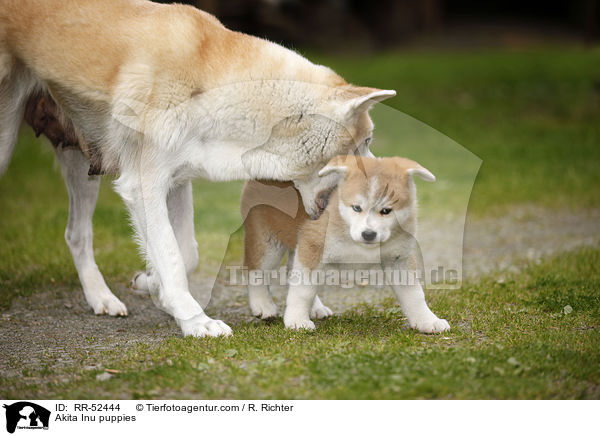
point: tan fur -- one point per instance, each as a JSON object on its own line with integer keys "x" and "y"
{"x": 87, "y": 52}
{"x": 284, "y": 214}
{"x": 313, "y": 233}
{"x": 266, "y": 220}
{"x": 176, "y": 36}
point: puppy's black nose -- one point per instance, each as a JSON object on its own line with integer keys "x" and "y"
{"x": 369, "y": 235}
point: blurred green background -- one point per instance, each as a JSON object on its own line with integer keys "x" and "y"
{"x": 531, "y": 116}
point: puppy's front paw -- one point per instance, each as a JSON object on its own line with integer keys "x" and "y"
{"x": 320, "y": 312}
{"x": 201, "y": 325}
{"x": 298, "y": 324}
{"x": 433, "y": 325}
{"x": 263, "y": 308}
{"x": 140, "y": 282}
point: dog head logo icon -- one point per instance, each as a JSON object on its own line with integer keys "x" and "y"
{"x": 24, "y": 414}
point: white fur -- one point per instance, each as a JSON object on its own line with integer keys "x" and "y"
{"x": 244, "y": 124}
{"x": 83, "y": 192}
{"x": 391, "y": 249}
{"x": 259, "y": 296}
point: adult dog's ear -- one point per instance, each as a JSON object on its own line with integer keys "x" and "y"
{"x": 362, "y": 99}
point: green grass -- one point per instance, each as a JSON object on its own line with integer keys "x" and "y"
{"x": 509, "y": 340}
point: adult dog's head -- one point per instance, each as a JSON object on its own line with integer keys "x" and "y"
{"x": 349, "y": 131}
{"x": 300, "y": 145}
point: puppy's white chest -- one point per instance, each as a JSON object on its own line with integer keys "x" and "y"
{"x": 342, "y": 251}
{"x": 338, "y": 251}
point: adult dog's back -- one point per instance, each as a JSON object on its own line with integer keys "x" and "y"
{"x": 78, "y": 50}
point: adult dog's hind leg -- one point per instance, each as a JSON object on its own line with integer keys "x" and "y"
{"x": 180, "y": 203}
{"x": 83, "y": 193}
{"x": 13, "y": 94}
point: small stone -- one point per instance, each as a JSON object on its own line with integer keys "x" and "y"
{"x": 104, "y": 376}
{"x": 68, "y": 305}
{"x": 230, "y": 352}
{"x": 514, "y": 362}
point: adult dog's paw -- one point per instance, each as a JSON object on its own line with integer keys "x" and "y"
{"x": 299, "y": 324}
{"x": 433, "y": 325}
{"x": 105, "y": 303}
{"x": 201, "y": 325}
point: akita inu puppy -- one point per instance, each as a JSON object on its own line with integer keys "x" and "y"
{"x": 160, "y": 94}
{"x": 371, "y": 218}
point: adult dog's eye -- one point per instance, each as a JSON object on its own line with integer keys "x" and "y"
{"x": 356, "y": 208}
{"x": 385, "y": 211}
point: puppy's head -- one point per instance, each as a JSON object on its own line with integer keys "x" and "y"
{"x": 346, "y": 129}
{"x": 376, "y": 195}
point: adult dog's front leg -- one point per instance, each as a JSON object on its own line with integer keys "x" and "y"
{"x": 146, "y": 197}
{"x": 412, "y": 302}
{"x": 181, "y": 214}
{"x": 83, "y": 192}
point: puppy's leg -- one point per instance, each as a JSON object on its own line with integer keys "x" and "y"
{"x": 181, "y": 214}
{"x": 262, "y": 252}
{"x": 319, "y": 310}
{"x": 144, "y": 189}
{"x": 83, "y": 193}
{"x": 300, "y": 299}
{"x": 412, "y": 302}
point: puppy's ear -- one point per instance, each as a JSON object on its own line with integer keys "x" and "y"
{"x": 423, "y": 173}
{"x": 362, "y": 99}
{"x": 412, "y": 168}
{"x": 338, "y": 164}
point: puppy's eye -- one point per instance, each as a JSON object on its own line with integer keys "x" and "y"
{"x": 385, "y": 211}
{"x": 368, "y": 141}
{"x": 356, "y": 208}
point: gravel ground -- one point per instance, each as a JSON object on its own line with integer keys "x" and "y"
{"x": 55, "y": 328}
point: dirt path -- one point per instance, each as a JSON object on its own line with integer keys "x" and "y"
{"x": 56, "y": 328}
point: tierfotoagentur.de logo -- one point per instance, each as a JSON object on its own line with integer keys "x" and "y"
{"x": 26, "y": 415}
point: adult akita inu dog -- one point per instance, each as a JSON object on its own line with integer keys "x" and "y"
{"x": 160, "y": 94}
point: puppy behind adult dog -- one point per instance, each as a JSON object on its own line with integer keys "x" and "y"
{"x": 158, "y": 95}
{"x": 371, "y": 218}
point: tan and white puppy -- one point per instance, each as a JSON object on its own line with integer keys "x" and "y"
{"x": 160, "y": 94}
{"x": 371, "y": 218}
